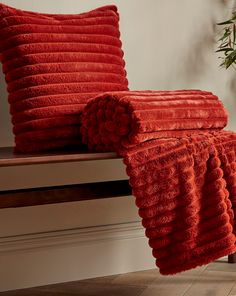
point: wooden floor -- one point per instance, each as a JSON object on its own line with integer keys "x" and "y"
{"x": 216, "y": 279}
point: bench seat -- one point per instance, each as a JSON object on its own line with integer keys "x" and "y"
{"x": 84, "y": 190}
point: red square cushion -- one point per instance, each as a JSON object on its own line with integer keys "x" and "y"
{"x": 53, "y": 64}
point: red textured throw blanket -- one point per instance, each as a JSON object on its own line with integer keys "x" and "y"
{"x": 182, "y": 169}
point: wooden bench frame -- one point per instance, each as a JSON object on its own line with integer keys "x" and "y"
{"x": 63, "y": 193}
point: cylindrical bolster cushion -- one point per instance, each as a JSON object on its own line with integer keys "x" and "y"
{"x": 123, "y": 119}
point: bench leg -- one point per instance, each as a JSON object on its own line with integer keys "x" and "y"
{"x": 232, "y": 258}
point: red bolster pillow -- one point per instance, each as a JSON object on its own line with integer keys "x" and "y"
{"x": 123, "y": 119}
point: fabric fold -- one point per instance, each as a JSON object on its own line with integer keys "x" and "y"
{"x": 122, "y": 119}
{"x": 181, "y": 165}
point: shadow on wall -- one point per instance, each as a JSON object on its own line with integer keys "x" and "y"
{"x": 196, "y": 65}
{"x": 198, "y": 50}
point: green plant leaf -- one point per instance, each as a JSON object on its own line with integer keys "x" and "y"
{"x": 222, "y": 64}
{"x": 232, "y": 54}
{"x": 224, "y": 49}
{"x": 226, "y": 22}
{"x": 230, "y": 59}
{"x": 227, "y": 42}
{"x": 223, "y": 45}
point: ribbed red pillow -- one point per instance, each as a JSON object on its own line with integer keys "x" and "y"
{"x": 54, "y": 63}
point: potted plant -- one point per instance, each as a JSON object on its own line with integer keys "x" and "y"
{"x": 227, "y": 42}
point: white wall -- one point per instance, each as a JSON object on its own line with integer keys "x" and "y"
{"x": 168, "y": 45}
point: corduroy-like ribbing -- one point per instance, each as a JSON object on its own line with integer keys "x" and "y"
{"x": 182, "y": 169}
{"x": 54, "y": 63}
{"x": 133, "y": 117}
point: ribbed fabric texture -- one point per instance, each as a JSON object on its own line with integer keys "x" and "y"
{"x": 182, "y": 169}
{"x": 53, "y": 64}
{"x": 124, "y": 119}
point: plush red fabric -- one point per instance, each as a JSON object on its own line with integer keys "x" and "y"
{"x": 54, "y": 63}
{"x": 182, "y": 169}
{"x": 128, "y": 118}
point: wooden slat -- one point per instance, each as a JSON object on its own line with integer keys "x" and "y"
{"x": 59, "y": 194}
{"x": 9, "y": 158}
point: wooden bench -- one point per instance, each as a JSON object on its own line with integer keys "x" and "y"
{"x": 57, "y": 194}
{"x": 24, "y": 197}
